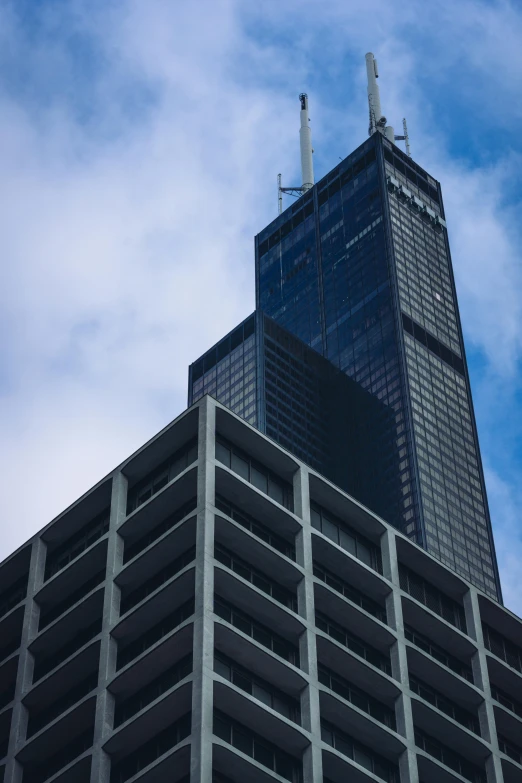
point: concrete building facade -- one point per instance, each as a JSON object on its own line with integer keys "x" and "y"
{"x": 215, "y": 611}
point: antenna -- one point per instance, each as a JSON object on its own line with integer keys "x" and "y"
{"x": 377, "y": 120}
{"x": 405, "y": 138}
{"x": 307, "y": 165}
{"x": 305, "y": 138}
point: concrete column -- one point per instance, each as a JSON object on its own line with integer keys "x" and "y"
{"x": 310, "y": 710}
{"x": 408, "y": 761}
{"x": 24, "y": 679}
{"x": 104, "y": 716}
{"x": 202, "y": 693}
{"x": 481, "y": 678}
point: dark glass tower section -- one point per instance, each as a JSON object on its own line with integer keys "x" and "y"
{"x": 359, "y": 269}
{"x": 300, "y": 399}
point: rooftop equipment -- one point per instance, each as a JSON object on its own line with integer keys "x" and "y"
{"x": 307, "y": 164}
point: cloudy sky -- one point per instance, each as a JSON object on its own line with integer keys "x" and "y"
{"x": 140, "y": 142}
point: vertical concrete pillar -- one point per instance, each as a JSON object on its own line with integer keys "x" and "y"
{"x": 203, "y": 651}
{"x": 408, "y": 760}
{"x": 481, "y": 678}
{"x": 104, "y": 715}
{"x": 24, "y": 679}
{"x": 310, "y": 710}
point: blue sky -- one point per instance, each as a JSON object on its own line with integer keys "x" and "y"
{"x": 139, "y": 148}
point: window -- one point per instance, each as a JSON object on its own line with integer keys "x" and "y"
{"x": 256, "y": 528}
{"x": 131, "y": 550}
{"x": 507, "y": 701}
{"x": 152, "y": 584}
{"x": 13, "y": 595}
{"x": 431, "y": 597}
{"x": 502, "y": 647}
{"x": 50, "y": 766}
{"x": 255, "y": 746}
{"x": 350, "y": 540}
{"x": 151, "y": 750}
{"x": 162, "y": 475}
{"x": 359, "y": 753}
{"x": 256, "y": 631}
{"x": 276, "y": 488}
{"x": 138, "y": 701}
{"x": 154, "y": 634}
{"x": 44, "y": 665}
{"x": 62, "y": 555}
{"x": 352, "y": 593}
{"x": 256, "y": 687}
{"x": 353, "y": 643}
{"x": 449, "y": 757}
{"x": 356, "y": 696}
{"x": 48, "y": 614}
{"x": 255, "y": 577}
{"x": 445, "y": 705}
{"x": 436, "y": 652}
{"x": 40, "y": 719}
{"x": 510, "y": 749}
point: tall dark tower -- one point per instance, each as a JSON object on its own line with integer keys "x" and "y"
{"x": 359, "y": 268}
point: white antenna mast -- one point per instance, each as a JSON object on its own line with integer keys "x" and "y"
{"x": 307, "y": 165}
{"x": 305, "y": 139}
{"x": 377, "y": 119}
{"x": 405, "y": 138}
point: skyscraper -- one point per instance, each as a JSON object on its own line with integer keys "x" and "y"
{"x": 359, "y": 269}
{"x": 215, "y": 611}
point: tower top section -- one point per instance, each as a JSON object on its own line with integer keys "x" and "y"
{"x": 377, "y": 118}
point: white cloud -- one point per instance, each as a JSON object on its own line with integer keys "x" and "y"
{"x": 505, "y": 502}
{"x": 134, "y": 180}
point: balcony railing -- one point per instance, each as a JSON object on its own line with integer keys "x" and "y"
{"x": 47, "y": 616}
{"x": 13, "y": 595}
{"x": 507, "y": 701}
{"x": 363, "y": 755}
{"x": 438, "y": 653}
{"x": 255, "y": 473}
{"x": 510, "y": 749}
{"x": 257, "y": 631}
{"x": 257, "y": 687}
{"x": 449, "y": 757}
{"x": 60, "y": 705}
{"x": 62, "y": 555}
{"x": 42, "y": 667}
{"x": 152, "y": 584}
{"x": 50, "y": 766}
{"x": 347, "y": 538}
{"x": 142, "y": 543}
{"x": 151, "y": 750}
{"x": 154, "y": 634}
{"x": 280, "y": 594}
{"x": 432, "y": 696}
{"x": 152, "y": 691}
{"x": 252, "y": 744}
{"x": 351, "y": 593}
{"x": 357, "y": 697}
{"x": 503, "y": 648}
{"x": 256, "y": 528}
{"x": 432, "y": 597}
{"x": 353, "y": 643}
{"x": 161, "y": 476}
